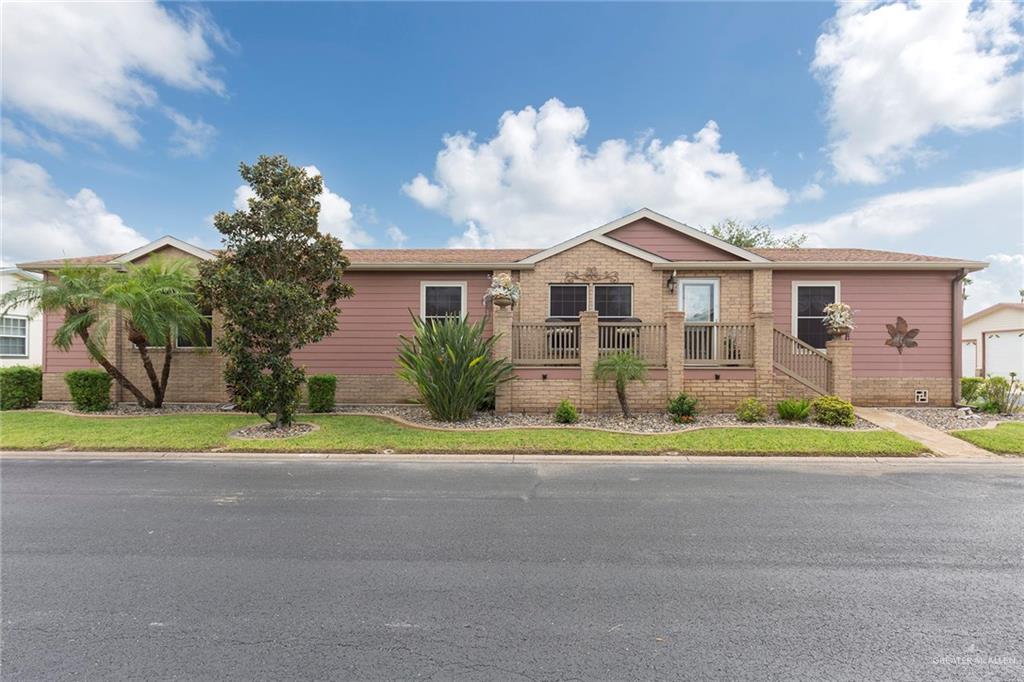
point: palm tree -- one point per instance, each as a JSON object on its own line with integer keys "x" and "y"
{"x": 156, "y": 300}
{"x": 158, "y": 303}
{"x": 623, "y": 367}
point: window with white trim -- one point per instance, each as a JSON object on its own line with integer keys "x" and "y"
{"x": 13, "y": 336}
{"x": 566, "y": 300}
{"x": 809, "y": 301}
{"x": 613, "y": 300}
{"x": 184, "y": 342}
{"x": 442, "y": 300}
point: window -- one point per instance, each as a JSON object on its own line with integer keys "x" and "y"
{"x": 13, "y": 336}
{"x": 613, "y": 300}
{"x": 566, "y": 300}
{"x": 440, "y": 300}
{"x": 809, "y": 301}
{"x": 207, "y": 313}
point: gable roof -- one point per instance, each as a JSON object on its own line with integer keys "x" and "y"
{"x": 802, "y": 255}
{"x": 984, "y": 312}
{"x": 166, "y": 240}
{"x": 598, "y": 234}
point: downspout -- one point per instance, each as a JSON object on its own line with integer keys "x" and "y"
{"x": 958, "y": 321}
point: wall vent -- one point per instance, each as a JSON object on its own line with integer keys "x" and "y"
{"x": 921, "y": 396}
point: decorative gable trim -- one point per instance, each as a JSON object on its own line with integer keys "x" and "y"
{"x": 597, "y": 234}
{"x": 167, "y": 240}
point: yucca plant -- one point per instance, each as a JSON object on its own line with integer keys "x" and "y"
{"x": 622, "y": 367}
{"x": 452, "y": 365}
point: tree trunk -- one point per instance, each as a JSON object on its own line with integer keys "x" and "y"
{"x": 154, "y": 381}
{"x": 113, "y": 371}
{"x": 165, "y": 373}
{"x": 620, "y": 392}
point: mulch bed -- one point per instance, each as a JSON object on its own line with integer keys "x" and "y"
{"x": 952, "y": 418}
{"x": 133, "y": 410}
{"x": 268, "y": 432}
{"x": 641, "y": 423}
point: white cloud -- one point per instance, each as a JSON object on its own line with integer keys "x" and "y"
{"x": 471, "y": 238}
{"x": 535, "y": 183}
{"x": 86, "y": 68}
{"x": 190, "y": 137}
{"x": 810, "y": 192}
{"x": 41, "y": 221}
{"x": 972, "y": 219}
{"x": 897, "y": 72}
{"x": 335, "y": 212}
{"x": 1001, "y": 282}
{"x": 397, "y": 237}
{"x": 27, "y": 138}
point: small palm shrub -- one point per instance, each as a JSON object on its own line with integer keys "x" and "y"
{"x": 321, "y": 392}
{"x": 751, "y": 410}
{"x": 832, "y": 410}
{"x": 1002, "y": 396}
{"x": 20, "y": 387}
{"x": 622, "y": 367}
{"x": 566, "y": 413}
{"x": 90, "y": 389}
{"x": 451, "y": 364}
{"x": 794, "y": 409}
{"x": 971, "y": 388}
{"x": 683, "y": 408}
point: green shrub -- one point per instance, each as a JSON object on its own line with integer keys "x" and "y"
{"x": 751, "y": 410}
{"x": 321, "y": 392}
{"x": 20, "y": 387}
{"x": 794, "y": 409}
{"x": 683, "y": 408}
{"x": 833, "y": 411}
{"x": 1002, "y": 396}
{"x": 90, "y": 389}
{"x": 451, "y": 364}
{"x": 566, "y": 413}
{"x": 971, "y": 388}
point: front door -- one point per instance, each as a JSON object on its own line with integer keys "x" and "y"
{"x": 698, "y": 299}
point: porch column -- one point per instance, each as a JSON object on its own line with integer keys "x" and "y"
{"x": 764, "y": 333}
{"x": 674, "y": 320}
{"x": 588, "y": 356}
{"x": 840, "y": 352}
{"x": 502, "y": 329}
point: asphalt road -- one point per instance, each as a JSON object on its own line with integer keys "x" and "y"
{"x": 303, "y": 569}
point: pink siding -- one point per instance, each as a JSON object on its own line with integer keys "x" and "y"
{"x": 366, "y": 341}
{"x": 924, "y": 299}
{"x": 657, "y": 239}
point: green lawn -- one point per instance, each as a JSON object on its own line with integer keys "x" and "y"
{"x": 349, "y": 433}
{"x": 1006, "y": 438}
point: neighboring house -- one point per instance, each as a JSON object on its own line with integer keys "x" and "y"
{"x": 21, "y": 333}
{"x": 752, "y": 320}
{"x": 993, "y": 341}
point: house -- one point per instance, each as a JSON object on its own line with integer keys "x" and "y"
{"x": 717, "y": 321}
{"x": 21, "y": 333}
{"x": 993, "y": 341}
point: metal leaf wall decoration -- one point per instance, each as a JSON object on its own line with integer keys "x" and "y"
{"x": 901, "y": 335}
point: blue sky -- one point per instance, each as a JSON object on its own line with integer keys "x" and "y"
{"x": 148, "y": 109}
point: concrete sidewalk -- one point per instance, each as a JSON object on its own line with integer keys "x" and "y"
{"x": 939, "y": 442}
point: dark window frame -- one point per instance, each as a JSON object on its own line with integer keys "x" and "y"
{"x": 612, "y": 286}
{"x": 563, "y": 285}
{"x": 812, "y": 319}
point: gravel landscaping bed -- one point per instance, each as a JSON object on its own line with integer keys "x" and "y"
{"x": 643, "y": 423}
{"x": 952, "y": 418}
{"x": 133, "y": 410}
{"x": 266, "y": 431}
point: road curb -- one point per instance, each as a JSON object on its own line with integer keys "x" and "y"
{"x": 503, "y": 458}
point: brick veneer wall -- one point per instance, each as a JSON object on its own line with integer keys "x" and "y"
{"x": 899, "y": 391}
{"x": 369, "y": 389}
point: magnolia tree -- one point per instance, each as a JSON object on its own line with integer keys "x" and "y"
{"x": 277, "y": 283}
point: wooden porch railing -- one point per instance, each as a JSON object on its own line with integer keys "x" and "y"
{"x": 806, "y": 364}
{"x": 714, "y": 344}
{"x": 643, "y": 339}
{"x": 546, "y": 343}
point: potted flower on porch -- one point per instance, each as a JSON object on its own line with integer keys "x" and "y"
{"x": 504, "y": 291}
{"x": 838, "y": 319}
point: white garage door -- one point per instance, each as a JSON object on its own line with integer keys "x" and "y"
{"x": 969, "y": 358}
{"x": 1004, "y": 353}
